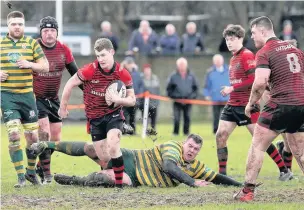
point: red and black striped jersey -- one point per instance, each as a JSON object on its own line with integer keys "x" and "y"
{"x": 286, "y": 63}
{"x": 47, "y": 84}
{"x": 95, "y": 81}
{"x": 241, "y": 75}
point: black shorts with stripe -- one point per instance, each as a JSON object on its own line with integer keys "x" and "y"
{"x": 282, "y": 118}
{"x": 237, "y": 114}
{"x": 48, "y": 108}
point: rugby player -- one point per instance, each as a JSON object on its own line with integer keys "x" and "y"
{"x": 20, "y": 57}
{"x": 105, "y": 123}
{"x": 282, "y": 66}
{"x": 165, "y": 165}
{"x": 241, "y": 75}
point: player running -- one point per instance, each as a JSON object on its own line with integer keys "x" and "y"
{"x": 282, "y": 65}
{"x": 241, "y": 74}
{"x": 165, "y": 165}
{"x": 105, "y": 123}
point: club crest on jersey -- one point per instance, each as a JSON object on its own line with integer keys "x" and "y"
{"x": 251, "y": 63}
{"x": 95, "y": 81}
{"x": 62, "y": 57}
{"x": 13, "y": 57}
{"x": 23, "y": 46}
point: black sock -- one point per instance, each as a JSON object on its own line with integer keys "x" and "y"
{"x": 118, "y": 167}
{"x": 273, "y": 152}
{"x": 287, "y": 157}
{"x": 45, "y": 161}
{"x": 222, "y": 155}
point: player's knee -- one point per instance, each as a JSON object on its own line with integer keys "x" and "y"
{"x": 221, "y": 136}
{"x": 13, "y": 129}
{"x": 43, "y": 136}
{"x": 90, "y": 150}
{"x": 113, "y": 136}
{"x": 31, "y": 136}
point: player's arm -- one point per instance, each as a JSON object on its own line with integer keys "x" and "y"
{"x": 220, "y": 179}
{"x": 170, "y": 167}
{"x": 72, "y": 69}
{"x": 66, "y": 94}
{"x": 262, "y": 74}
{"x": 41, "y": 63}
{"x": 128, "y": 101}
{"x": 130, "y": 98}
{"x": 204, "y": 173}
{"x": 259, "y": 85}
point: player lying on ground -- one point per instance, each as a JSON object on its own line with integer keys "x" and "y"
{"x": 165, "y": 165}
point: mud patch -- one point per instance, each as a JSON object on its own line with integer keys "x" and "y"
{"x": 146, "y": 198}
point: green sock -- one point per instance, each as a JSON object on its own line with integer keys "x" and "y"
{"x": 69, "y": 148}
{"x": 17, "y": 159}
{"x": 31, "y": 160}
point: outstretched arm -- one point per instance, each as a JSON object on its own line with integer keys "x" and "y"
{"x": 171, "y": 168}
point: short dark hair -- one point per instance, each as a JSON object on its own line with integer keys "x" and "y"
{"x": 103, "y": 43}
{"x": 234, "y": 30}
{"x": 196, "y": 138}
{"x": 15, "y": 14}
{"x": 262, "y": 21}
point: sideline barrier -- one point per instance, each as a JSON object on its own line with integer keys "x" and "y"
{"x": 147, "y": 96}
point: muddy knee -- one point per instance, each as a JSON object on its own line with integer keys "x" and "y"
{"x": 221, "y": 138}
{"x": 14, "y": 130}
{"x": 113, "y": 140}
{"x": 90, "y": 151}
{"x": 43, "y": 136}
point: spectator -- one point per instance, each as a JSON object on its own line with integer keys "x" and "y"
{"x": 217, "y": 77}
{"x": 191, "y": 41}
{"x": 138, "y": 85}
{"x": 182, "y": 84}
{"x": 288, "y": 33}
{"x": 151, "y": 84}
{"x": 170, "y": 42}
{"x": 106, "y": 32}
{"x": 143, "y": 40}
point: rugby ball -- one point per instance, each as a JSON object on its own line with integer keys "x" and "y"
{"x": 118, "y": 87}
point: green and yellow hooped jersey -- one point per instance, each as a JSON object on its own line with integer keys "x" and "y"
{"x": 19, "y": 80}
{"x": 149, "y": 165}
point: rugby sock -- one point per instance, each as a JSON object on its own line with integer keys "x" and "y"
{"x": 45, "y": 160}
{"x": 276, "y": 157}
{"x": 31, "y": 161}
{"x": 17, "y": 159}
{"x": 69, "y": 148}
{"x": 248, "y": 188}
{"x": 287, "y": 157}
{"x": 118, "y": 168}
{"x": 222, "y": 155}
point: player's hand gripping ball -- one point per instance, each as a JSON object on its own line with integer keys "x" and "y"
{"x": 114, "y": 92}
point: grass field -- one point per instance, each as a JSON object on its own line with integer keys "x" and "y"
{"x": 273, "y": 194}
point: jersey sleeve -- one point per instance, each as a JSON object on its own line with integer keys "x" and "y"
{"x": 126, "y": 78}
{"x": 68, "y": 54}
{"x": 248, "y": 60}
{"x": 203, "y": 172}
{"x": 171, "y": 151}
{"x": 86, "y": 73}
{"x": 262, "y": 59}
{"x": 37, "y": 50}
